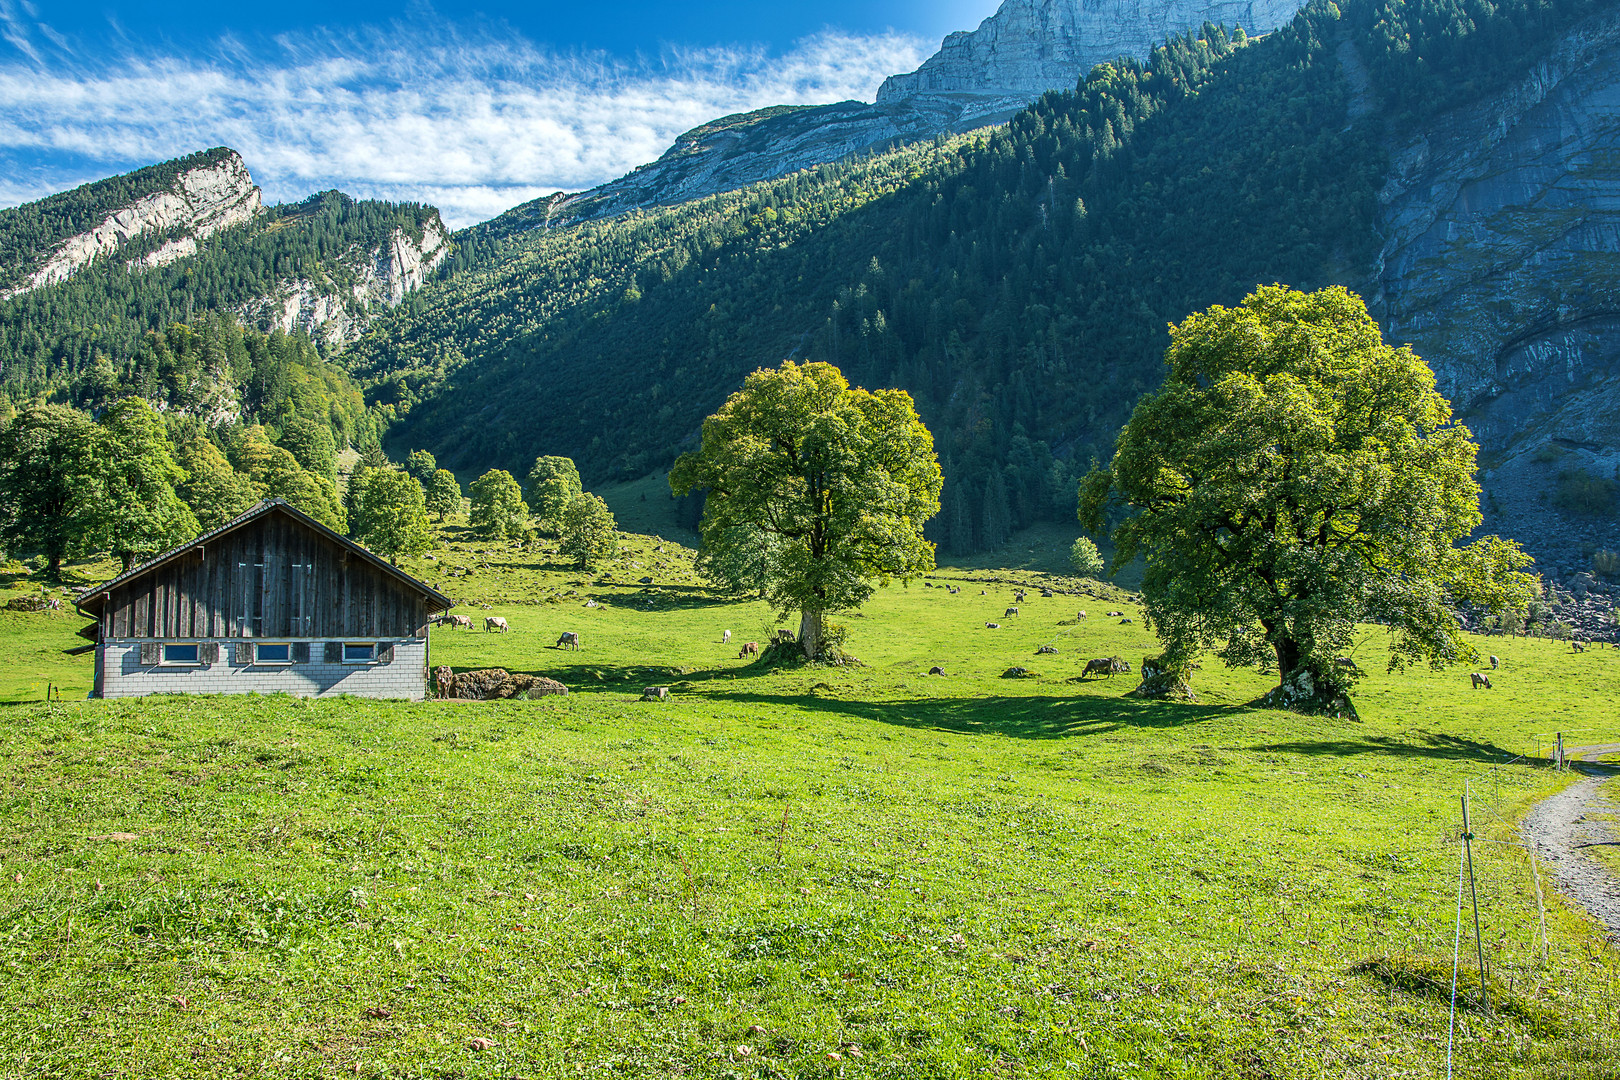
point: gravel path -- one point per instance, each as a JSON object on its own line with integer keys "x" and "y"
{"x": 1560, "y": 827}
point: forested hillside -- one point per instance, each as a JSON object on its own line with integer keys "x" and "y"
{"x": 30, "y": 232}
{"x": 60, "y": 341}
{"x": 1018, "y": 284}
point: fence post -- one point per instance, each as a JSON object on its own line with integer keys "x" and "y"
{"x": 1479, "y": 940}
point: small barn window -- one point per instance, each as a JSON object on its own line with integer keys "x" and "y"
{"x": 359, "y": 652}
{"x": 183, "y": 655}
{"x": 274, "y": 652}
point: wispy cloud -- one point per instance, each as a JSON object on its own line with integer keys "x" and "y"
{"x": 472, "y": 121}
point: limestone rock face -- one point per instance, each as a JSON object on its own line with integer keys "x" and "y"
{"x": 382, "y": 278}
{"x": 1031, "y": 46}
{"x": 977, "y": 79}
{"x": 1502, "y": 269}
{"x": 200, "y": 203}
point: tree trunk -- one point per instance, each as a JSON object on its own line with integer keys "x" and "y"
{"x": 53, "y": 567}
{"x": 810, "y": 632}
{"x": 1288, "y": 658}
{"x": 128, "y": 559}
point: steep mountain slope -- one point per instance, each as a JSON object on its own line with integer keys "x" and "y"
{"x": 1019, "y": 285}
{"x": 95, "y": 270}
{"x": 172, "y": 205}
{"x": 978, "y": 78}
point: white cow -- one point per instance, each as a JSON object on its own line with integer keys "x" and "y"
{"x": 494, "y": 622}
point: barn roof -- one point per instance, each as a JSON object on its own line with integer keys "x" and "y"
{"x": 90, "y": 600}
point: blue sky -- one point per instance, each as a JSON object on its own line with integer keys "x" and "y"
{"x": 471, "y": 108}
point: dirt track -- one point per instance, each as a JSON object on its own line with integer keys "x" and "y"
{"x": 1560, "y": 828}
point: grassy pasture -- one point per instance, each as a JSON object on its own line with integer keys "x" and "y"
{"x": 926, "y": 877}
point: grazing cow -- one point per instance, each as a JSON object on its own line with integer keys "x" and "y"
{"x": 494, "y": 622}
{"x": 655, "y": 693}
{"x": 1115, "y": 614}
{"x": 1480, "y": 680}
{"x": 1103, "y": 665}
{"x": 749, "y": 649}
{"x": 936, "y": 671}
{"x": 725, "y": 638}
{"x": 1044, "y": 649}
{"x": 992, "y": 626}
{"x": 1010, "y": 613}
{"x": 1575, "y": 643}
{"x": 1126, "y": 622}
{"x": 928, "y": 584}
{"x": 1018, "y": 597}
{"x": 445, "y": 680}
{"x": 1081, "y": 615}
{"x": 784, "y": 637}
{"x": 1495, "y": 663}
{"x": 569, "y": 640}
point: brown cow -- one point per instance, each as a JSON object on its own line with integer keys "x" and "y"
{"x": 750, "y": 648}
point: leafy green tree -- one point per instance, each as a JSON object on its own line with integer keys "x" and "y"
{"x": 553, "y": 486}
{"x": 311, "y": 445}
{"x": 443, "y": 494}
{"x": 276, "y": 474}
{"x": 589, "y": 532}
{"x": 422, "y": 465}
{"x": 844, "y": 478}
{"x": 1293, "y": 477}
{"x": 498, "y": 509}
{"x": 213, "y": 490}
{"x": 48, "y": 484}
{"x": 1085, "y": 558}
{"x": 395, "y": 514}
{"x": 139, "y": 512}
{"x": 744, "y": 565}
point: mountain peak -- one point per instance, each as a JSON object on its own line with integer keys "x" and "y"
{"x": 1031, "y": 46}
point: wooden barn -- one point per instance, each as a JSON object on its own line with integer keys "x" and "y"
{"x": 272, "y": 602}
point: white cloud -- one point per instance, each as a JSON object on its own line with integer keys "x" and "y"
{"x": 473, "y": 123}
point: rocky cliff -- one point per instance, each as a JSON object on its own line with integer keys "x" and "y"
{"x": 366, "y": 283}
{"x": 978, "y": 78}
{"x": 1501, "y": 266}
{"x": 1030, "y": 46}
{"x": 199, "y": 203}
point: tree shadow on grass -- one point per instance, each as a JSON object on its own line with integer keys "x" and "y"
{"x": 1016, "y": 717}
{"x": 1445, "y": 747}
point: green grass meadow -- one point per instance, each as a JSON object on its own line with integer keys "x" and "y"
{"x": 862, "y": 871}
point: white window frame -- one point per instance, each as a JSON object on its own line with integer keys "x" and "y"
{"x": 369, "y": 646}
{"x": 196, "y": 661}
{"x": 258, "y": 653}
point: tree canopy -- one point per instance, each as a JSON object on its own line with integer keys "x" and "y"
{"x": 47, "y": 483}
{"x": 1296, "y": 476}
{"x": 589, "y": 532}
{"x": 139, "y": 513}
{"x": 498, "y": 510}
{"x": 443, "y": 493}
{"x": 553, "y": 486}
{"x": 395, "y": 514}
{"x": 844, "y": 478}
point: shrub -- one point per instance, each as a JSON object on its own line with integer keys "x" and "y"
{"x": 1579, "y": 492}
{"x": 1606, "y": 564}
